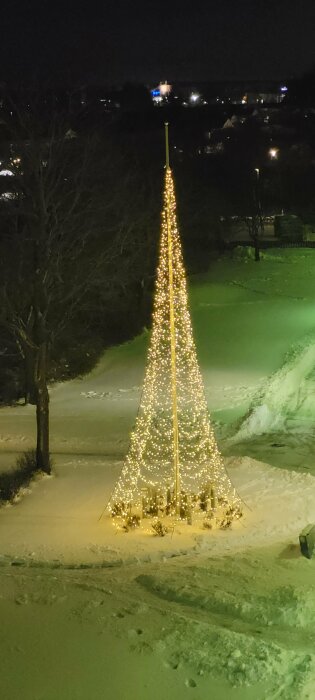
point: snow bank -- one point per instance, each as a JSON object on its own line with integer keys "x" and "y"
{"x": 288, "y": 395}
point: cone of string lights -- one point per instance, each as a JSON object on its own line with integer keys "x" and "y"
{"x": 173, "y": 470}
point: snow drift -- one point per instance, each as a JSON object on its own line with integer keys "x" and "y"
{"x": 288, "y": 396}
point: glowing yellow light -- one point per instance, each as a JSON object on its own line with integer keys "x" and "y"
{"x": 173, "y": 467}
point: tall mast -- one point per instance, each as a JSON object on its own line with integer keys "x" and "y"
{"x": 172, "y": 337}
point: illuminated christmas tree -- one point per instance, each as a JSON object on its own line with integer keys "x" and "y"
{"x": 173, "y": 467}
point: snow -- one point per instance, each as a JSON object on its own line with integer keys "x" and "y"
{"x": 277, "y": 505}
{"x": 89, "y": 612}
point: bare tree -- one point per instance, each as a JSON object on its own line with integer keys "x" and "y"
{"x": 255, "y": 228}
{"x": 53, "y": 246}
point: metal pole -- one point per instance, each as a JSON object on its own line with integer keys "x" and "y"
{"x": 167, "y": 150}
{"x": 172, "y": 339}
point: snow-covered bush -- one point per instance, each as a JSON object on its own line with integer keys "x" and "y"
{"x": 14, "y": 479}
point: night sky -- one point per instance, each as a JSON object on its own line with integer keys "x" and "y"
{"x": 114, "y": 41}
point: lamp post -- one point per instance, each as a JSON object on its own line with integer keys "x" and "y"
{"x": 172, "y": 338}
{"x": 257, "y": 189}
{"x": 257, "y": 221}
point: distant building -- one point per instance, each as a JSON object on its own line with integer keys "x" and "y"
{"x": 228, "y": 92}
{"x": 161, "y": 93}
{"x": 253, "y": 92}
{"x": 165, "y": 89}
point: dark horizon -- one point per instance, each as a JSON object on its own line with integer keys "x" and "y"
{"x": 111, "y": 42}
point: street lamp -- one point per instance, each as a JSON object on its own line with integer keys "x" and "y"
{"x": 258, "y": 224}
{"x": 257, "y": 190}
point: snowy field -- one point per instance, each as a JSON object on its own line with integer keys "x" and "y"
{"x": 89, "y": 613}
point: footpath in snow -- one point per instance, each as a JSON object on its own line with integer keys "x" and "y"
{"x": 88, "y": 613}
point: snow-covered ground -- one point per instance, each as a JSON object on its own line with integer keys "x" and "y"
{"x": 87, "y": 612}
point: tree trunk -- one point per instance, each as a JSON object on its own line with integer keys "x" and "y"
{"x": 29, "y": 374}
{"x": 42, "y": 411}
{"x": 257, "y": 252}
{"x": 29, "y": 355}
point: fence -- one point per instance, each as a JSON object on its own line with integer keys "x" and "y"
{"x": 270, "y": 244}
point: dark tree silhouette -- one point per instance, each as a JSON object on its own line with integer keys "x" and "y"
{"x": 67, "y": 241}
